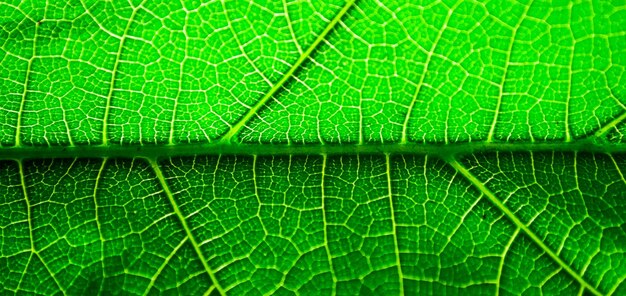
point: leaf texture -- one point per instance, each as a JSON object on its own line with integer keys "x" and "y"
{"x": 313, "y": 147}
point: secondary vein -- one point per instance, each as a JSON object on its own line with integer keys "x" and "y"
{"x": 393, "y": 222}
{"x": 183, "y": 221}
{"x": 604, "y": 130}
{"x": 18, "y": 127}
{"x": 422, "y": 78}
{"x": 507, "y": 212}
{"x": 507, "y": 62}
{"x": 118, "y": 56}
{"x": 326, "y": 247}
{"x": 34, "y": 251}
{"x": 95, "y": 202}
{"x": 227, "y": 138}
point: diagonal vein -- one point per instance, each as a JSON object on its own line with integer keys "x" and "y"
{"x": 491, "y": 196}
{"x": 181, "y": 217}
{"x": 604, "y": 130}
{"x": 162, "y": 267}
{"x": 241, "y": 47}
{"x": 52, "y": 275}
{"x": 504, "y": 254}
{"x": 239, "y": 125}
{"x": 209, "y": 291}
{"x": 619, "y": 170}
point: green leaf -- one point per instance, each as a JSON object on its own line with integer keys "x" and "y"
{"x": 312, "y": 147}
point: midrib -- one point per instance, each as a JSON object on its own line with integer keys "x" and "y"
{"x": 219, "y": 148}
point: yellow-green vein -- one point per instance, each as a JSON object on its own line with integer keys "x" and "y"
{"x": 503, "y": 257}
{"x": 239, "y": 125}
{"x": 393, "y": 222}
{"x": 209, "y": 291}
{"x": 30, "y": 230}
{"x": 326, "y": 247}
{"x": 507, "y": 212}
{"x": 492, "y": 129}
{"x": 602, "y": 131}
{"x": 30, "y": 223}
{"x": 165, "y": 262}
{"x": 568, "y": 133}
{"x": 18, "y": 126}
{"x": 418, "y": 89}
{"x": 183, "y": 221}
{"x": 116, "y": 64}
{"x": 95, "y": 202}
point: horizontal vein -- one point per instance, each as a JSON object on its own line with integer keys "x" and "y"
{"x": 479, "y": 184}
{"x": 235, "y": 129}
{"x": 217, "y": 148}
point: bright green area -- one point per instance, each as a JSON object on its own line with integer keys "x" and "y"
{"x": 312, "y": 147}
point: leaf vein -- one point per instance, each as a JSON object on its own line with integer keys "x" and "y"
{"x": 118, "y": 56}
{"x": 393, "y": 222}
{"x": 507, "y": 212}
{"x": 228, "y": 137}
{"x": 183, "y": 221}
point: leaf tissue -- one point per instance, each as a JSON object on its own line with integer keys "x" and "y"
{"x": 205, "y": 147}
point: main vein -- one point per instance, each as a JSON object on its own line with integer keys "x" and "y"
{"x": 217, "y": 148}
{"x": 240, "y": 124}
{"x": 491, "y": 196}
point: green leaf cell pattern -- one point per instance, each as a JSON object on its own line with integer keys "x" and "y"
{"x": 375, "y": 147}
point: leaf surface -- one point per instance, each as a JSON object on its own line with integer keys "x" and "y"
{"x": 313, "y": 147}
